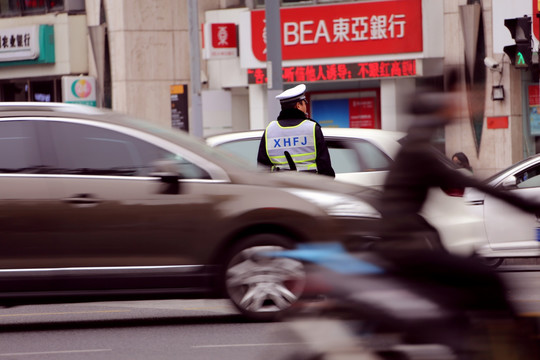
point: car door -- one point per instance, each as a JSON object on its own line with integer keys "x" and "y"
{"x": 113, "y": 212}
{"x": 27, "y": 206}
{"x": 507, "y": 227}
{"x": 358, "y": 161}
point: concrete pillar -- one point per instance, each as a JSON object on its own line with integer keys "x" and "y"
{"x": 394, "y": 94}
{"x": 257, "y": 107}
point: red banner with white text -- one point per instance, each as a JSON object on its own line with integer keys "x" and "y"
{"x": 358, "y": 29}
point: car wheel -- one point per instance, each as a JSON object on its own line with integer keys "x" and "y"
{"x": 263, "y": 287}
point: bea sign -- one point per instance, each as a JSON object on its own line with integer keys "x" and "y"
{"x": 367, "y": 28}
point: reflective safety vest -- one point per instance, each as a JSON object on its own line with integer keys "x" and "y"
{"x": 298, "y": 140}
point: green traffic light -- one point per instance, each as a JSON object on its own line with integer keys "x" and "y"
{"x": 520, "y": 59}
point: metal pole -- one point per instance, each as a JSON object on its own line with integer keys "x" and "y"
{"x": 97, "y": 39}
{"x": 273, "y": 57}
{"x": 196, "y": 126}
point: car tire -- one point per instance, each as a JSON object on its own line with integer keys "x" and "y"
{"x": 263, "y": 287}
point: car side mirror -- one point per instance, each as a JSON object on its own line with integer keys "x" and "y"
{"x": 168, "y": 174}
{"x": 509, "y": 183}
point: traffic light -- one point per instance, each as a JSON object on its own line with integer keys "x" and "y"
{"x": 520, "y": 54}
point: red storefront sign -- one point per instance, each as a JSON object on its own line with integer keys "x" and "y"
{"x": 332, "y": 72}
{"x": 534, "y": 95}
{"x": 497, "y": 122}
{"x": 362, "y": 112}
{"x": 224, "y": 35}
{"x": 219, "y": 40}
{"x": 358, "y": 29}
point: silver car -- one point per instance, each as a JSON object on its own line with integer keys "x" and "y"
{"x": 363, "y": 157}
{"x": 510, "y": 231}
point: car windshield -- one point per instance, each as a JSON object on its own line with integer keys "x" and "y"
{"x": 510, "y": 169}
{"x": 181, "y": 138}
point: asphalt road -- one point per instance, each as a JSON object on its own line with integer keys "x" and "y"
{"x": 174, "y": 329}
{"x": 523, "y": 284}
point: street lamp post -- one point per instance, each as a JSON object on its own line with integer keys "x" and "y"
{"x": 273, "y": 57}
{"x": 196, "y": 125}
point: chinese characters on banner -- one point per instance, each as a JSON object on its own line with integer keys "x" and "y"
{"x": 534, "y": 109}
{"x": 362, "y": 113}
{"x": 15, "y": 40}
{"x": 370, "y": 70}
{"x": 358, "y": 29}
{"x": 19, "y": 43}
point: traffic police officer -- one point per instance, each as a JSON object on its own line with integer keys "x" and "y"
{"x": 294, "y": 141}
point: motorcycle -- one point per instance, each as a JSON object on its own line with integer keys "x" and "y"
{"x": 385, "y": 305}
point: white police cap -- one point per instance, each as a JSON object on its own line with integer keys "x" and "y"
{"x": 294, "y": 94}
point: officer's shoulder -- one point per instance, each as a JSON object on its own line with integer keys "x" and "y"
{"x": 317, "y": 125}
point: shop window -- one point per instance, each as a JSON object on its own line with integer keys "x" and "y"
{"x": 42, "y": 91}
{"x": 29, "y": 7}
{"x": 27, "y": 90}
{"x": 347, "y": 109}
{"x": 14, "y": 91}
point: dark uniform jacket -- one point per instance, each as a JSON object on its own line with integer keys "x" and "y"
{"x": 293, "y": 117}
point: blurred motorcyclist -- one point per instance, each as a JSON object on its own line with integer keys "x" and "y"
{"x": 426, "y": 297}
{"x": 419, "y": 166}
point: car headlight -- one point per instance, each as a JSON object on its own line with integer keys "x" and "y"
{"x": 337, "y": 204}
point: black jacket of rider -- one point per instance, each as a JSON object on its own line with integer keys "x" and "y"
{"x": 293, "y": 117}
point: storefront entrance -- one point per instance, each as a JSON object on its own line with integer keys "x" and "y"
{"x": 347, "y": 109}
{"x": 44, "y": 90}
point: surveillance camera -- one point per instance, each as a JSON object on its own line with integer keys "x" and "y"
{"x": 491, "y": 63}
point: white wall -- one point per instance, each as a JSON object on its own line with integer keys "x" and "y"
{"x": 216, "y": 111}
{"x": 505, "y": 9}
{"x": 394, "y": 93}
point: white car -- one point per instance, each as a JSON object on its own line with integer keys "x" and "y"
{"x": 510, "y": 231}
{"x": 363, "y": 157}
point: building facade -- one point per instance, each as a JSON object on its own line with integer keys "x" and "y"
{"x": 359, "y": 59}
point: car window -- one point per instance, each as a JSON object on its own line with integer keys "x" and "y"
{"x": 347, "y": 156}
{"x": 19, "y": 147}
{"x": 92, "y": 150}
{"x": 371, "y": 156}
{"x": 344, "y": 160}
{"x": 245, "y": 149}
{"x": 356, "y": 156}
{"x": 529, "y": 178}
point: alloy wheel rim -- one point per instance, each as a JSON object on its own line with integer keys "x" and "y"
{"x": 259, "y": 283}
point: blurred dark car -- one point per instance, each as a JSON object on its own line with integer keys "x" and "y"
{"x": 97, "y": 205}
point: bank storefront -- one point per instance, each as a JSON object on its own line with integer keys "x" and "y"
{"x": 38, "y": 50}
{"x": 358, "y": 60}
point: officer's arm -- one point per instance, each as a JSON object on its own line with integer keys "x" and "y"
{"x": 262, "y": 156}
{"x": 324, "y": 164}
